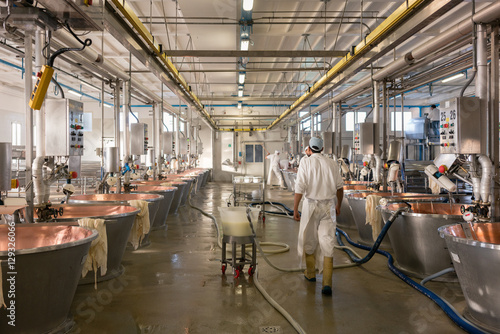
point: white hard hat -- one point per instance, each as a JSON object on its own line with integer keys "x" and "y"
{"x": 276, "y": 152}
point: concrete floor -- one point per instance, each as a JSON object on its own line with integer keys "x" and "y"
{"x": 175, "y": 286}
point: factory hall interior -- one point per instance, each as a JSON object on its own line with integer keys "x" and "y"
{"x": 249, "y": 166}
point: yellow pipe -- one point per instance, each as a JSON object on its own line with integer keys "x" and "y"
{"x": 129, "y": 14}
{"x": 401, "y": 13}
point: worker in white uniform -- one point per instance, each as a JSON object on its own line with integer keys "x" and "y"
{"x": 320, "y": 183}
{"x": 274, "y": 170}
{"x": 434, "y": 118}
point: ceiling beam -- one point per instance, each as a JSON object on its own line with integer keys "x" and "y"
{"x": 283, "y": 69}
{"x": 255, "y": 53}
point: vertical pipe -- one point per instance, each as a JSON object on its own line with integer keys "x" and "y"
{"x": 482, "y": 63}
{"x": 117, "y": 126}
{"x": 494, "y": 110}
{"x": 28, "y": 86}
{"x": 385, "y": 133}
{"x": 177, "y": 126}
{"x": 403, "y": 128}
{"x": 102, "y": 127}
{"x": 339, "y": 128}
{"x": 126, "y": 121}
{"x": 154, "y": 141}
{"x": 40, "y": 114}
{"x": 376, "y": 116}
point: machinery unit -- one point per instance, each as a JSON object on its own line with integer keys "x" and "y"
{"x": 183, "y": 146}
{"x": 64, "y": 127}
{"x": 168, "y": 142}
{"x": 345, "y": 153}
{"x": 111, "y": 160}
{"x": 5, "y": 166}
{"x": 394, "y": 151}
{"x": 364, "y": 138}
{"x": 328, "y": 142}
{"x": 462, "y": 126}
{"x": 139, "y": 138}
{"x": 417, "y": 128}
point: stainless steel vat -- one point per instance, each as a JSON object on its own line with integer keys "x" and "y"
{"x": 181, "y": 187}
{"x": 118, "y": 220}
{"x": 190, "y": 181}
{"x": 49, "y": 260}
{"x": 5, "y": 166}
{"x": 357, "y": 203}
{"x": 154, "y": 202}
{"x": 476, "y": 264}
{"x": 418, "y": 249}
{"x": 167, "y": 193}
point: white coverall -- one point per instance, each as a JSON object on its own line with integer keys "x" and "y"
{"x": 274, "y": 176}
{"x": 318, "y": 179}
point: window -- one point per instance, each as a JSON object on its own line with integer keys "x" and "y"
{"x": 306, "y": 123}
{"x": 253, "y": 153}
{"x": 407, "y": 116}
{"x": 16, "y": 133}
{"x": 131, "y": 119}
{"x": 350, "y": 119}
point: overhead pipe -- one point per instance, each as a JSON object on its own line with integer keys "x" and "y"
{"x": 399, "y": 15}
{"x": 125, "y": 9}
{"x": 458, "y": 31}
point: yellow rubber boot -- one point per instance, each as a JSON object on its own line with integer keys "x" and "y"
{"x": 327, "y": 276}
{"x": 310, "y": 273}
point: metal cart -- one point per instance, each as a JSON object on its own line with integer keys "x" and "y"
{"x": 238, "y": 263}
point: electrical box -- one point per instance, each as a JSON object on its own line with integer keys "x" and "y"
{"x": 168, "y": 142}
{"x": 63, "y": 127}
{"x": 75, "y": 164}
{"x": 462, "y": 126}
{"x": 328, "y": 142}
{"x": 364, "y": 138}
{"x": 139, "y": 138}
{"x": 183, "y": 146}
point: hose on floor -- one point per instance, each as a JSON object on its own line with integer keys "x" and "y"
{"x": 443, "y": 304}
{"x": 259, "y": 287}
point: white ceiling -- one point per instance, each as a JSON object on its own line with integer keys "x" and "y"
{"x": 213, "y": 25}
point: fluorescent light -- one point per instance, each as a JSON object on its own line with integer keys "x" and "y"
{"x": 239, "y": 105}
{"x": 244, "y": 44}
{"x": 247, "y": 5}
{"x": 240, "y": 93}
{"x": 107, "y": 105}
{"x": 454, "y": 77}
{"x": 74, "y": 92}
{"x": 241, "y": 78}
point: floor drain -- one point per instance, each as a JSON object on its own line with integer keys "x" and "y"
{"x": 270, "y": 329}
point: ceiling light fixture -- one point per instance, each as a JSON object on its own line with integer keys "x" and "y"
{"x": 107, "y": 105}
{"x": 74, "y": 92}
{"x": 241, "y": 78}
{"x": 247, "y": 5}
{"x": 244, "y": 44}
{"x": 239, "y": 105}
{"x": 240, "y": 93}
{"x": 454, "y": 77}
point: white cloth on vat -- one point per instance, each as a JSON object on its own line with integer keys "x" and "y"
{"x": 141, "y": 223}
{"x": 373, "y": 216}
{"x": 98, "y": 252}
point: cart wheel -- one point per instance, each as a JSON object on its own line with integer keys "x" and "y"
{"x": 251, "y": 271}
{"x": 237, "y": 273}
{"x": 223, "y": 269}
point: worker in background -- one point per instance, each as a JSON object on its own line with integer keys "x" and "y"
{"x": 274, "y": 170}
{"x": 320, "y": 183}
{"x": 434, "y": 118}
{"x": 308, "y": 151}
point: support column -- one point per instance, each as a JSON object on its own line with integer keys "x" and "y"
{"x": 28, "y": 87}
{"x": 40, "y": 114}
{"x": 117, "y": 127}
{"x": 494, "y": 110}
{"x": 385, "y": 133}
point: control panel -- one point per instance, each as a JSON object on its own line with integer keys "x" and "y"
{"x": 64, "y": 127}
{"x": 364, "y": 138}
{"x": 139, "y": 138}
{"x": 462, "y": 126}
{"x": 168, "y": 142}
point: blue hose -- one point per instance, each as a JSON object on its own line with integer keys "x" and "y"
{"x": 450, "y": 312}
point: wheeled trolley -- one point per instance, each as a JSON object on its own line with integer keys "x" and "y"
{"x": 238, "y": 231}
{"x": 238, "y": 263}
